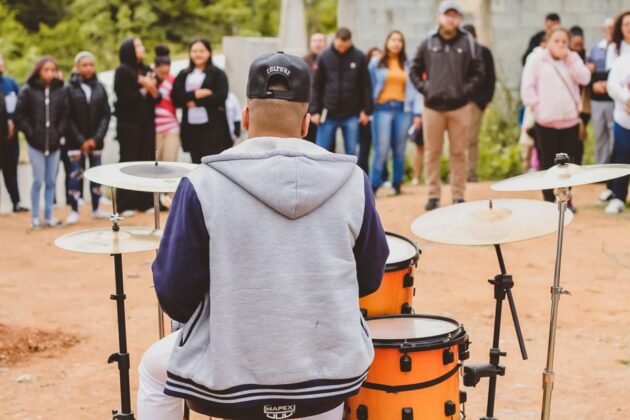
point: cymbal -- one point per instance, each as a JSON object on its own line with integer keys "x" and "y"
{"x": 141, "y": 176}
{"x": 562, "y": 176}
{"x": 489, "y": 222}
{"x": 106, "y": 241}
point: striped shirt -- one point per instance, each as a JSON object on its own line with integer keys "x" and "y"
{"x": 165, "y": 116}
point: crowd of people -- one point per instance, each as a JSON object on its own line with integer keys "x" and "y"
{"x": 379, "y": 100}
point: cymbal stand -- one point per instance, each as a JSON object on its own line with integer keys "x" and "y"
{"x": 156, "y": 215}
{"x": 122, "y": 356}
{"x": 503, "y": 284}
{"x": 563, "y": 195}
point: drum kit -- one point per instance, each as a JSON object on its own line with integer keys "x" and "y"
{"x": 155, "y": 177}
{"x": 418, "y": 358}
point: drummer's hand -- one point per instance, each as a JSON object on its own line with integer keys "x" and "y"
{"x": 202, "y": 93}
{"x": 191, "y": 104}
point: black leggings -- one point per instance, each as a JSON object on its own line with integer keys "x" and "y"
{"x": 553, "y": 141}
{"x": 137, "y": 142}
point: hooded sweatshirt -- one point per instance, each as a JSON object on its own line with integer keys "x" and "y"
{"x": 267, "y": 248}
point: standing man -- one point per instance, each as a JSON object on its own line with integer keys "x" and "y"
{"x": 448, "y": 71}
{"x": 602, "y": 105}
{"x": 10, "y": 149}
{"x": 341, "y": 93}
{"x": 551, "y": 21}
{"x": 316, "y": 46}
{"x": 307, "y": 348}
{"x": 479, "y": 104}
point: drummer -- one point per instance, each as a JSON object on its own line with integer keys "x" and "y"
{"x": 269, "y": 293}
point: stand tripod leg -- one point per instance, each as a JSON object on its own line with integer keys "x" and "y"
{"x": 122, "y": 357}
{"x": 563, "y": 195}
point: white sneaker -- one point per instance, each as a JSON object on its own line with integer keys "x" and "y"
{"x": 166, "y": 201}
{"x": 387, "y": 185}
{"x": 72, "y": 218}
{"x": 615, "y": 206}
{"x": 35, "y": 224}
{"x": 100, "y": 214}
{"x": 53, "y": 222}
{"x": 605, "y": 196}
{"x": 128, "y": 213}
{"x": 150, "y": 211}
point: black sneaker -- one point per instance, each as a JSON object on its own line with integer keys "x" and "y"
{"x": 18, "y": 208}
{"x": 459, "y": 201}
{"x": 432, "y": 204}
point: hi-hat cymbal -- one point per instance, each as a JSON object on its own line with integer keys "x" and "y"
{"x": 562, "y": 176}
{"x": 489, "y": 222}
{"x": 106, "y": 241}
{"x": 141, "y": 176}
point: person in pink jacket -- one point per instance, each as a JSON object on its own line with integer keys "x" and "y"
{"x": 551, "y": 87}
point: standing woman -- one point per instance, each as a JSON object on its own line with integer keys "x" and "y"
{"x": 87, "y": 125}
{"x": 166, "y": 124}
{"x": 42, "y": 115}
{"x": 551, "y": 86}
{"x": 136, "y": 96}
{"x": 201, "y": 91}
{"x": 397, "y": 105}
{"x": 620, "y": 40}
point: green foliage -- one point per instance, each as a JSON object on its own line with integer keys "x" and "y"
{"x": 61, "y": 28}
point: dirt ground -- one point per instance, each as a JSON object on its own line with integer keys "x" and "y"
{"x": 48, "y": 290}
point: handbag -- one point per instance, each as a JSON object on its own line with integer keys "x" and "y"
{"x": 582, "y": 128}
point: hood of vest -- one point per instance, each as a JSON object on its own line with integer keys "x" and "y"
{"x": 291, "y": 176}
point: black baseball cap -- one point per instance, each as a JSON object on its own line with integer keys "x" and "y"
{"x": 292, "y": 69}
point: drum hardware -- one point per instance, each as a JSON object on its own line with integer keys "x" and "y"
{"x": 503, "y": 284}
{"x": 561, "y": 177}
{"x": 115, "y": 242}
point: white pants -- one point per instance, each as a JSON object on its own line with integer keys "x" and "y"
{"x": 153, "y": 404}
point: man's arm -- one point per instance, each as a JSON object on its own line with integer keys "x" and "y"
{"x": 417, "y": 70}
{"x": 181, "y": 272}
{"x": 317, "y": 87}
{"x": 475, "y": 74}
{"x": 370, "y": 248}
{"x": 366, "y": 88}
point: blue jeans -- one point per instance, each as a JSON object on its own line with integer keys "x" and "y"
{"x": 390, "y": 124}
{"x": 44, "y": 172}
{"x": 75, "y": 176}
{"x": 349, "y": 128}
{"x": 621, "y": 154}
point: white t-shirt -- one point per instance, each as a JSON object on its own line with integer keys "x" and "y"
{"x": 194, "y": 80}
{"x": 87, "y": 90}
{"x": 611, "y": 53}
{"x": 618, "y": 86}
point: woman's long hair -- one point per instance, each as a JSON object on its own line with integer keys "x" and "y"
{"x": 40, "y": 64}
{"x": 402, "y": 55}
{"x": 206, "y": 43}
{"x": 617, "y": 33}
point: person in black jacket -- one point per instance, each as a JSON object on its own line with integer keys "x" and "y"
{"x": 341, "y": 93}
{"x": 551, "y": 21}
{"x": 448, "y": 71}
{"x": 201, "y": 91}
{"x": 42, "y": 115}
{"x": 87, "y": 126}
{"x": 136, "y": 96}
{"x": 4, "y": 121}
{"x": 479, "y": 104}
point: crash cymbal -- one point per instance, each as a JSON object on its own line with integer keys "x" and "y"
{"x": 106, "y": 241}
{"x": 562, "y": 176}
{"x": 489, "y": 222}
{"x": 141, "y": 176}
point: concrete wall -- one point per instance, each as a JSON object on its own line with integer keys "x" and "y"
{"x": 504, "y": 25}
{"x": 239, "y": 54}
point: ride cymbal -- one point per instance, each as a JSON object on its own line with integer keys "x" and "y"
{"x": 489, "y": 222}
{"x": 141, "y": 176}
{"x": 563, "y": 176}
{"x": 107, "y": 241}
